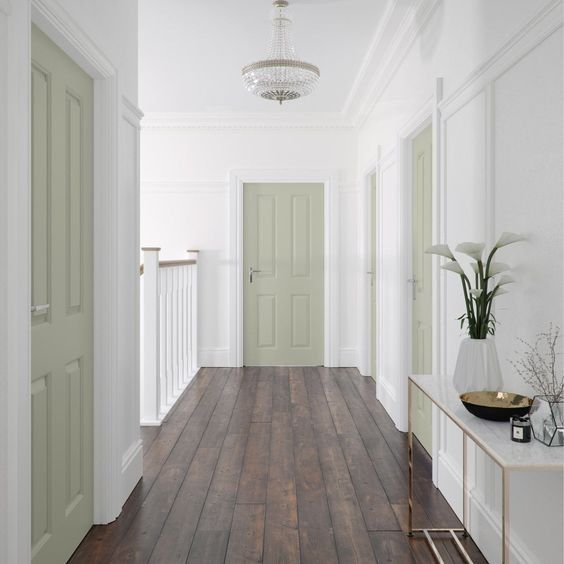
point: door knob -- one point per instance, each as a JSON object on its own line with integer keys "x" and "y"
{"x": 38, "y": 309}
{"x": 251, "y": 272}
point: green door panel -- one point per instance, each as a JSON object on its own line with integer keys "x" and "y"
{"x": 61, "y": 334}
{"x": 422, "y": 274}
{"x": 284, "y": 302}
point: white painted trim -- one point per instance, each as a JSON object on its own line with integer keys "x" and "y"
{"x": 245, "y": 121}
{"x": 543, "y": 24}
{"x": 131, "y": 468}
{"x": 348, "y": 357}
{"x": 215, "y": 357}
{"x": 412, "y": 127}
{"x": 50, "y": 17}
{"x": 330, "y": 180}
{"x": 414, "y": 21}
{"x": 184, "y": 187}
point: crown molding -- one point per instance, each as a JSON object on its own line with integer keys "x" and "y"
{"x": 405, "y": 26}
{"x": 245, "y": 121}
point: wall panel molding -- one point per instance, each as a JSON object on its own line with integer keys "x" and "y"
{"x": 184, "y": 187}
{"x": 245, "y": 121}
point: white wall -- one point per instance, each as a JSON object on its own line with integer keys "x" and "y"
{"x": 109, "y": 29}
{"x": 185, "y": 205}
{"x": 500, "y": 168}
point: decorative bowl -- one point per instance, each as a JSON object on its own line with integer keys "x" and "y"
{"x": 496, "y": 406}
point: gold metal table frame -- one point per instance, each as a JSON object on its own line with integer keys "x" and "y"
{"x": 452, "y": 533}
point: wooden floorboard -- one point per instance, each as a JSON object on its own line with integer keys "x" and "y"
{"x": 276, "y": 465}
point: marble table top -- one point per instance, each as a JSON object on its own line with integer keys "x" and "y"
{"x": 493, "y": 437}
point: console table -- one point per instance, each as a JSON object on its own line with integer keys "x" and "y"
{"x": 494, "y": 439}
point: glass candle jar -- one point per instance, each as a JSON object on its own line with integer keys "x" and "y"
{"x": 520, "y": 429}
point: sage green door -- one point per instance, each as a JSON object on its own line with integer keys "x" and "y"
{"x": 422, "y": 415}
{"x": 61, "y": 325}
{"x": 283, "y": 274}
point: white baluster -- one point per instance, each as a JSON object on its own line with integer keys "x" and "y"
{"x": 150, "y": 350}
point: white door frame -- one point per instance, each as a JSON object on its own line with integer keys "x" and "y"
{"x": 15, "y": 253}
{"x": 329, "y": 179}
{"x": 401, "y": 154}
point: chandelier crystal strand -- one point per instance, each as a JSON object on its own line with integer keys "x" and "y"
{"x": 282, "y": 76}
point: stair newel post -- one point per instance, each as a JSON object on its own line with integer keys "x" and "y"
{"x": 150, "y": 384}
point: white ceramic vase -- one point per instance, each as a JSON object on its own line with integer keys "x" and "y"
{"x": 477, "y": 367}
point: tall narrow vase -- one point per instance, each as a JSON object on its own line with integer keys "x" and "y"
{"x": 477, "y": 367}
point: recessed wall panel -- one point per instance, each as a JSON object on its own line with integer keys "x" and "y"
{"x": 266, "y": 321}
{"x": 301, "y": 321}
{"x": 74, "y": 182}
{"x": 301, "y": 240}
{"x": 75, "y": 432}
{"x": 40, "y": 473}
{"x": 41, "y": 191}
{"x": 266, "y": 235}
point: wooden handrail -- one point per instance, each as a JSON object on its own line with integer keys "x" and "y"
{"x": 169, "y": 264}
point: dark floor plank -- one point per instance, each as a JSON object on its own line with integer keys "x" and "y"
{"x": 391, "y": 548}
{"x": 214, "y": 526}
{"x": 317, "y": 543}
{"x": 281, "y": 524}
{"x": 175, "y": 538}
{"x": 101, "y": 541}
{"x": 374, "y": 503}
{"x": 148, "y": 435}
{"x": 142, "y": 535}
{"x": 247, "y": 534}
{"x": 276, "y": 465}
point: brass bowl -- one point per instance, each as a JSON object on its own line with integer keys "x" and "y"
{"x": 496, "y": 406}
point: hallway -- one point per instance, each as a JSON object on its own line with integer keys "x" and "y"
{"x": 275, "y": 465}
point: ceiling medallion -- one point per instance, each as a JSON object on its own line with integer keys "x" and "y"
{"x": 282, "y": 76}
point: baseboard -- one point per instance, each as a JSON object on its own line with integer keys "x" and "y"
{"x": 348, "y": 358}
{"x": 213, "y": 357}
{"x": 484, "y": 524}
{"x": 131, "y": 469}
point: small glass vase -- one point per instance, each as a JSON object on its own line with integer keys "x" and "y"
{"x": 547, "y": 420}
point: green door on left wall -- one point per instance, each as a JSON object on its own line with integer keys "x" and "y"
{"x": 61, "y": 316}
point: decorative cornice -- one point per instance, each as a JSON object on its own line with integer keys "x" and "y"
{"x": 242, "y": 121}
{"x": 72, "y": 37}
{"x": 132, "y": 108}
{"x": 414, "y": 19}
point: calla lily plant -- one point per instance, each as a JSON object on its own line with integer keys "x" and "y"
{"x": 479, "y": 297}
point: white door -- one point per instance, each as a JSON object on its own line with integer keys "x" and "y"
{"x": 372, "y": 273}
{"x": 283, "y": 274}
{"x": 61, "y": 334}
{"x": 422, "y": 283}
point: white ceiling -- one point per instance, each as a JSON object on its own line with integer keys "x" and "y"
{"x": 191, "y": 52}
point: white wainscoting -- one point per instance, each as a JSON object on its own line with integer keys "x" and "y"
{"x": 501, "y": 170}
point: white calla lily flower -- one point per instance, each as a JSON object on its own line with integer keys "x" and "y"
{"x": 453, "y": 267}
{"x": 441, "y": 250}
{"x": 477, "y": 292}
{"x": 475, "y": 267}
{"x": 507, "y": 238}
{"x": 505, "y": 279}
{"x": 497, "y": 268}
{"x": 473, "y": 250}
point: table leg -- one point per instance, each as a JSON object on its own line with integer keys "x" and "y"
{"x": 464, "y": 483}
{"x": 505, "y": 517}
{"x": 410, "y": 461}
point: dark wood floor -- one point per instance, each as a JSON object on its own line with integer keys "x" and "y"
{"x": 275, "y": 465}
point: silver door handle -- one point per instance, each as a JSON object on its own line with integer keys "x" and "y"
{"x": 413, "y": 282}
{"x": 251, "y": 272}
{"x": 37, "y": 309}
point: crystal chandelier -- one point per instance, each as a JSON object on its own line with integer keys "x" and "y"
{"x": 282, "y": 76}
